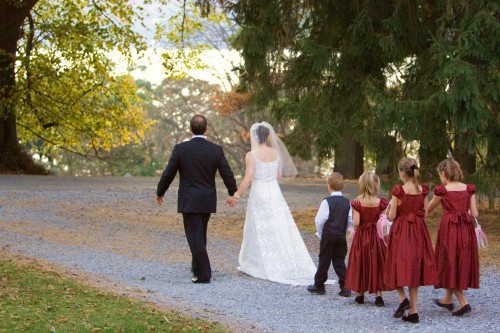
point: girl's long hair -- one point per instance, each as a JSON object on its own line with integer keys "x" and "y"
{"x": 369, "y": 185}
{"x": 451, "y": 170}
{"x": 410, "y": 167}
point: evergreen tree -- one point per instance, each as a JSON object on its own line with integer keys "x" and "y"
{"x": 388, "y": 73}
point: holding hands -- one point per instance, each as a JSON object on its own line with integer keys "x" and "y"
{"x": 232, "y": 201}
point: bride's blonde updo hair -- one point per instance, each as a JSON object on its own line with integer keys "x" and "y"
{"x": 369, "y": 185}
{"x": 410, "y": 168}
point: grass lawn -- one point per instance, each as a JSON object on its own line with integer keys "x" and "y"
{"x": 34, "y": 300}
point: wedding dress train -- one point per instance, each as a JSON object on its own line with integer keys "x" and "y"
{"x": 272, "y": 246}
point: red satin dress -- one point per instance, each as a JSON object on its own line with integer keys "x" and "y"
{"x": 456, "y": 246}
{"x": 365, "y": 269}
{"x": 410, "y": 260}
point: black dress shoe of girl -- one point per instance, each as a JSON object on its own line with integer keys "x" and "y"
{"x": 404, "y": 305}
{"x": 413, "y": 318}
{"x": 379, "y": 301}
{"x": 463, "y": 310}
{"x": 448, "y": 306}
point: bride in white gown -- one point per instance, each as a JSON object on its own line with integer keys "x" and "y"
{"x": 272, "y": 247}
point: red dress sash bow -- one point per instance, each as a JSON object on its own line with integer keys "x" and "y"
{"x": 463, "y": 221}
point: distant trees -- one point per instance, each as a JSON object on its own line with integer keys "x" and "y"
{"x": 169, "y": 107}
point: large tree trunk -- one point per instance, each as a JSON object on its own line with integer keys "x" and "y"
{"x": 12, "y": 15}
{"x": 463, "y": 156}
{"x": 387, "y": 159}
{"x": 430, "y": 157}
{"x": 349, "y": 157}
{"x": 467, "y": 161}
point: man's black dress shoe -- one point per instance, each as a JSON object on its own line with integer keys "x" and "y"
{"x": 411, "y": 318}
{"x": 404, "y": 305}
{"x": 344, "y": 292}
{"x": 463, "y": 310}
{"x": 448, "y": 306}
{"x": 196, "y": 280}
{"x": 360, "y": 299}
{"x": 316, "y": 290}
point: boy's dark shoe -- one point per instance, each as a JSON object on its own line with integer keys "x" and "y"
{"x": 313, "y": 289}
{"x": 344, "y": 292}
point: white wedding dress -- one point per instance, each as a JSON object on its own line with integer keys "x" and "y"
{"x": 272, "y": 247}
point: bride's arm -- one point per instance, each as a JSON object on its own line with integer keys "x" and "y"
{"x": 249, "y": 170}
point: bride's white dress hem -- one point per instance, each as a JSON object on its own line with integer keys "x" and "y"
{"x": 272, "y": 246}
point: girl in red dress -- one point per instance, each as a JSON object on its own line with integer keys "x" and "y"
{"x": 410, "y": 258}
{"x": 365, "y": 270}
{"x": 456, "y": 246}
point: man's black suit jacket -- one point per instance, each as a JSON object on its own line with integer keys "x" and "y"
{"x": 197, "y": 161}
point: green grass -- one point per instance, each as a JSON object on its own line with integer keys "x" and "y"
{"x": 34, "y": 300}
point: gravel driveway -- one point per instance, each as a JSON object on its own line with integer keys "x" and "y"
{"x": 110, "y": 229}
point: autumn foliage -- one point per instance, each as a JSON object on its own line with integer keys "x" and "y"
{"x": 231, "y": 102}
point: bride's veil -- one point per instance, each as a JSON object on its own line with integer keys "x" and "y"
{"x": 288, "y": 168}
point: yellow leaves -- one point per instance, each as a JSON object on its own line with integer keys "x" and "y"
{"x": 188, "y": 38}
{"x": 70, "y": 75}
{"x": 96, "y": 111}
{"x": 179, "y": 62}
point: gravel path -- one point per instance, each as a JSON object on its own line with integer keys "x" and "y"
{"x": 111, "y": 229}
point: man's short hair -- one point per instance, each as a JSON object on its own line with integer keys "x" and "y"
{"x": 198, "y": 124}
{"x": 336, "y": 181}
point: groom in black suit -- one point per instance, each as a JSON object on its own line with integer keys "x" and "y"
{"x": 197, "y": 162}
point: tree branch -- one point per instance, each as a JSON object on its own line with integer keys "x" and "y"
{"x": 55, "y": 144}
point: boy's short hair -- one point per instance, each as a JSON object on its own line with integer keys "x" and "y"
{"x": 336, "y": 181}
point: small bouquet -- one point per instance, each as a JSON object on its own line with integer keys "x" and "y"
{"x": 482, "y": 240}
{"x": 384, "y": 226}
